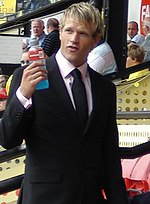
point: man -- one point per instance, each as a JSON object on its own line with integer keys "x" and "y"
{"x": 25, "y": 57}
{"x": 3, "y": 80}
{"x": 3, "y": 94}
{"x": 51, "y": 43}
{"x": 64, "y": 163}
{"x": 37, "y": 30}
{"x": 135, "y": 56}
{"x": 146, "y": 43}
{"x": 133, "y": 34}
{"x": 102, "y": 59}
{"x": 3, "y": 100}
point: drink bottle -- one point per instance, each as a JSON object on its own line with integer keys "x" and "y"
{"x": 36, "y": 53}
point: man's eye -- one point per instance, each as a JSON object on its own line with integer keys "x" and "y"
{"x": 83, "y": 33}
{"x": 68, "y": 31}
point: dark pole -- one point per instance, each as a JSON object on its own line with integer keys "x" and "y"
{"x": 27, "y": 28}
{"x": 117, "y": 30}
{"x": 98, "y": 4}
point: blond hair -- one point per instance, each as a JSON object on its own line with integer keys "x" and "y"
{"x": 85, "y": 12}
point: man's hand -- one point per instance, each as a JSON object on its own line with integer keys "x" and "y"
{"x": 32, "y": 75}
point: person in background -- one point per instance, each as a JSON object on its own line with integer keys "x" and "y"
{"x": 146, "y": 43}
{"x": 3, "y": 94}
{"x": 135, "y": 56}
{"x": 25, "y": 57}
{"x": 102, "y": 59}
{"x": 3, "y": 80}
{"x": 133, "y": 35}
{"x": 3, "y": 100}
{"x": 51, "y": 43}
{"x": 37, "y": 30}
{"x": 24, "y": 61}
{"x": 66, "y": 162}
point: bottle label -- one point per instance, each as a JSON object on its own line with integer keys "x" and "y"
{"x": 35, "y": 55}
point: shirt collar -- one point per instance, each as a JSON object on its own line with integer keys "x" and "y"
{"x": 147, "y": 36}
{"x": 66, "y": 67}
{"x": 42, "y": 36}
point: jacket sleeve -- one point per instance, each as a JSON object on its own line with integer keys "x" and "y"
{"x": 13, "y": 125}
{"x": 115, "y": 187}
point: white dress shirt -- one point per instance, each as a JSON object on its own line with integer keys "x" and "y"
{"x": 102, "y": 59}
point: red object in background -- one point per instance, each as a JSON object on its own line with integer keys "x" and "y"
{"x": 137, "y": 169}
{"x": 145, "y": 12}
{"x": 135, "y": 187}
{"x": 17, "y": 192}
{"x": 3, "y": 94}
{"x": 4, "y": 194}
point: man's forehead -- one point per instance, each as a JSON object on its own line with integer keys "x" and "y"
{"x": 75, "y": 22}
{"x": 36, "y": 24}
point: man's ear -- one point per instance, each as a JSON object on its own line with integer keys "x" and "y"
{"x": 134, "y": 59}
{"x": 60, "y": 34}
{"x": 96, "y": 41}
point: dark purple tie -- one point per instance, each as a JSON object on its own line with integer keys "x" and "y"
{"x": 80, "y": 98}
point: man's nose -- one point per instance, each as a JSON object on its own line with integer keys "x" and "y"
{"x": 75, "y": 37}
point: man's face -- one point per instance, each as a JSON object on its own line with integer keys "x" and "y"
{"x": 25, "y": 58}
{"x": 132, "y": 30}
{"x": 130, "y": 62}
{"x": 146, "y": 26}
{"x": 77, "y": 41}
{"x": 37, "y": 28}
{"x": 2, "y": 104}
{"x": 146, "y": 29}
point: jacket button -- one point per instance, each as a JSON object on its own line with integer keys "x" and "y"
{"x": 18, "y": 115}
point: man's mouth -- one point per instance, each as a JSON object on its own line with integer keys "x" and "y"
{"x": 72, "y": 48}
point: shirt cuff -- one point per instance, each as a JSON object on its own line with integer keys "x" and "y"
{"x": 27, "y": 103}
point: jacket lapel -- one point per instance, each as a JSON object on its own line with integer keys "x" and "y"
{"x": 96, "y": 88}
{"x": 56, "y": 79}
{"x": 98, "y": 91}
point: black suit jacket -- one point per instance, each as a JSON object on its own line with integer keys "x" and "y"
{"x": 63, "y": 166}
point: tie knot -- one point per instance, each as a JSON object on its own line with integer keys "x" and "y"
{"x": 76, "y": 73}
